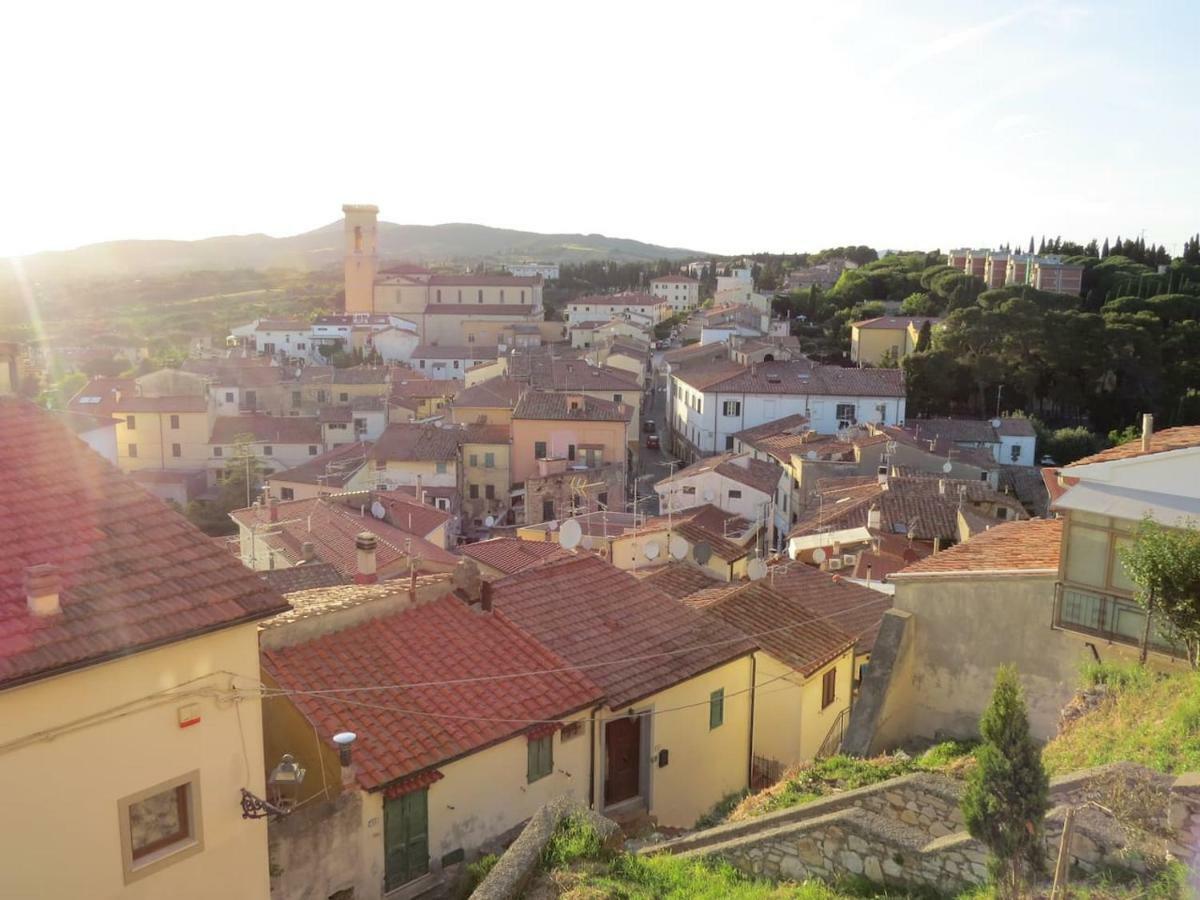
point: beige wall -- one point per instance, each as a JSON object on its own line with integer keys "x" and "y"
{"x": 628, "y": 553}
{"x": 498, "y": 476}
{"x": 493, "y": 415}
{"x": 397, "y": 472}
{"x": 362, "y": 480}
{"x": 868, "y": 345}
{"x": 557, "y": 435}
{"x": 789, "y": 723}
{"x": 154, "y": 437}
{"x": 60, "y": 827}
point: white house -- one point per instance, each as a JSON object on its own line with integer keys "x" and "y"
{"x": 681, "y": 292}
{"x": 548, "y": 271}
{"x": 441, "y": 362}
{"x": 712, "y": 402}
{"x": 1010, "y": 439}
{"x": 339, "y": 330}
{"x": 396, "y": 344}
{"x": 603, "y": 307}
{"x": 734, "y": 482}
{"x": 736, "y": 280}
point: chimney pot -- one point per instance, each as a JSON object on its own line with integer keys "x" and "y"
{"x": 1147, "y": 431}
{"x": 273, "y": 505}
{"x": 42, "y": 586}
{"x": 365, "y": 543}
{"x": 308, "y": 551}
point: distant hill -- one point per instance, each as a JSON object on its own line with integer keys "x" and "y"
{"x": 429, "y": 244}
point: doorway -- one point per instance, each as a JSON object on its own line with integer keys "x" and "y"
{"x": 623, "y": 759}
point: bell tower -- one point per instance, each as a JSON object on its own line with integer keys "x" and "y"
{"x": 362, "y": 257}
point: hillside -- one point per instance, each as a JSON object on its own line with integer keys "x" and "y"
{"x": 322, "y": 247}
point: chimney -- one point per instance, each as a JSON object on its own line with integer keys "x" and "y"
{"x": 365, "y": 543}
{"x": 1147, "y": 431}
{"x": 485, "y": 596}
{"x": 273, "y": 506}
{"x": 420, "y": 496}
{"x": 942, "y": 486}
{"x": 873, "y": 518}
{"x": 42, "y": 586}
{"x": 308, "y": 551}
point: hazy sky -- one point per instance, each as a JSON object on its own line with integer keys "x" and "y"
{"x": 726, "y": 127}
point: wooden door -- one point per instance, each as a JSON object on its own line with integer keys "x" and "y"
{"x": 405, "y": 838}
{"x": 623, "y": 756}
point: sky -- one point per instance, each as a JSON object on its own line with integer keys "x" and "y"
{"x": 724, "y": 128}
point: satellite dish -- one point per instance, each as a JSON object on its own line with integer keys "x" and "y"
{"x": 811, "y": 455}
{"x": 818, "y": 556}
{"x": 947, "y": 466}
{"x": 552, "y": 525}
{"x": 677, "y": 547}
{"x": 757, "y": 569}
{"x": 702, "y": 552}
{"x": 587, "y": 543}
{"x": 377, "y": 510}
{"x": 489, "y": 521}
{"x": 652, "y": 550}
{"x": 708, "y": 496}
{"x": 570, "y": 534}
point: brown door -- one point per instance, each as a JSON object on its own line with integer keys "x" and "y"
{"x": 623, "y": 754}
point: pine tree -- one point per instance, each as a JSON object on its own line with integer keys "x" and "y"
{"x": 1042, "y": 245}
{"x": 1031, "y": 243}
{"x": 1104, "y": 250}
{"x": 1007, "y": 793}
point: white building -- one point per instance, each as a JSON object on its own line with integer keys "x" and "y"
{"x": 681, "y": 292}
{"x": 396, "y": 345}
{"x": 710, "y": 403}
{"x": 339, "y": 330}
{"x": 734, "y": 482}
{"x": 1011, "y": 440}
{"x": 442, "y": 362}
{"x": 736, "y": 280}
{"x": 603, "y": 307}
{"x": 547, "y": 271}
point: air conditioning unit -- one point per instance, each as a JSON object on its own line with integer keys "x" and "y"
{"x": 835, "y": 564}
{"x": 848, "y": 560}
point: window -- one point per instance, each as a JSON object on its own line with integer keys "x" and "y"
{"x": 312, "y": 449}
{"x": 828, "y": 688}
{"x": 360, "y": 426}
{"x": 133, "y": 451}
{"x": 405, "y": 838}
{"x": 602, "y": 498}
{"x": 131, "y": 423}
{"x": 729, "y": 442}
{"x": 489, "y": 460}
{"x": 735, "y": 495}
{"x": 501, "y": 295}
{"x": 343, "y": 397}
{"x": 845, "y": 412}
{"x": 321, "y": 396}
{"x": 473, "y": 491}
{"x": 287, "y": 494}
{"x": 218, "y": 451}
{"x": 268, "y": 449}
{"x": 439, "y": 468}
{"x": 473, "y": 460}
{"x": 541, "y": 758}
{"x": 160, "y": 825}
{"x": 617, "y": 398}
{"x": 295, "y": 398}
{"x": 522, "y": 296}
{"x": 547, "y": 510}
{"x": 229, "y": 396}
{"x": 689, "y": 490}
{"x": 251, "y": 398}
{"x": 456, "y": 364}
{"x": 1015, "y": 452}
{"x": 439, "y": 295}
{"x": 716, "y": 708}
{"x": 176, "y": 450}
{"x": 571, "y": 452}
{"x": 422, "y": 364}
{"x": 731, "y": 408}
{"x": 539, "y": 450}
{"x": 489, "y": 491}
{"x": 481, "y": 295}
{"x": 175, "y": 423}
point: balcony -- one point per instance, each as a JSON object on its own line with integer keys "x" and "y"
{"x": 1107, "y": 617}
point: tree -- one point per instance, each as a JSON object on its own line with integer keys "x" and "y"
{"x": 1007, "y": 793}
{"x": 1104, "y": 250}
{"x": 237, "y": 488}
{"x": 1165, "y": 565}
{"x": 923, "y": 337}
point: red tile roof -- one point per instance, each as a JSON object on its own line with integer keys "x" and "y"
{"x": 778, "y": 624}
{"x": 1029, "y": 546}
{"x": 495, "y": 393}
{"x": 407, "y": 514}
{"x": 267, "y": 429}
{"x": 628, "y": 298}
{"x": 406, "y": 729}
{"x": 464, "y": 351}
{"x": 854, "y": 609}
{"x": 798, "y": 377}
{"x": 1181, "y": 438}
{"x": 135, "y": 574}
{"x": 332, "y": 469}
{"x": 511, "y": 555}
{"x": 762, "y": 476}
{"x": 411, "y": 441}
{"x": 547, "y": 405}
{"x": 99, "y": 396}
{"x": 129, "y": 403}
{"x": 895, "y": 322}
{"x": 678, "y": 579}
{"x": 592, "y": 613}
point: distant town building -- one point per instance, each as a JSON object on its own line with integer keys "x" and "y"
{"x": 549, "y": 271}
{"x": 681, "y": 292}
{"x": 886, "y": 338}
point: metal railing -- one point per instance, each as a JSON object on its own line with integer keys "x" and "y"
{"x": 1108, "y": 617}
{"x": 833, "y": 740}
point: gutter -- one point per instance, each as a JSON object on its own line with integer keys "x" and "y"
{"x": 753, "y": 693}
{"x": 972, "y": 573}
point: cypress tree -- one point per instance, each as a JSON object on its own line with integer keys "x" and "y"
{"x": 1031, "y": 243}
{"x": 923, "y": 337}
{"x": 1104, "y": 250}
{"x": 1008, "y": 792}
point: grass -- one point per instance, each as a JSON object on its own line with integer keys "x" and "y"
{"x": 575, "y": 839}
{"x": 1146, "y": 718}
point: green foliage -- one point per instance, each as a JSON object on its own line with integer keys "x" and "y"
{"x": 1008, "y": 791}
{"x": 575, "y": 839}
{"x": 924, "y": 337}
{"x": 1125, "y": 435}
{"x": 1165, "y": 565}
{"x": 476, "y": 872}
{"x": 1119, "y": 676}
{"x": 1065, "y": 445}
{"x": 236, "y": 489}
{"x": 721, "y": 810}
{"x": 672, "y": 878}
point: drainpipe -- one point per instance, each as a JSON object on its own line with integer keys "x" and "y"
{"x": 753, "y": 692}
{"x": 592, "y": 764}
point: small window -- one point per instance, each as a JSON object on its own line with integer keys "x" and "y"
{"x": 295, "y": 398}
{"x": 539, "y": 450}
{"x": 439, "y": 468}
{"x": 441, "y": 503}
{"x": 602, "y": 498}
{"x": 218, "y": 451}
{"x": 131, "y": 423}
{"x": 312, "y": 449}
{"x": 481, "y": 295}
{"x": 501, "y": 295}
{"x": 177, "y": 450}
{"x": 489, "y": 491}
{"x": 571, "y": 452}
{"x": 473, "y": 460}
{"x": 287, "y": 494}
{"x": 160, "y": 825}
{"x": 343, "y": 397}
{"x": 735, "y": 495}
{"x": 133, "y": 451}
{"x": 729, "y": 442}
{"x": 251, "y": 398}
{"x": 731, "y": 408}
{"x": 716, "y": 708}
{"x": 473, "y": 491}
{"x": 828, "y": 688}
{"x": 268, "y": 449}
{"x": 439, "y": 295}
{"x": 1015, "y": 452}
{"x": 547, "y": 510}
{"x": 489, "y": 460}
{"x": 229, "y": 396}
{"x": 540, "y": 762}
{"x": 617, "y": 398}
{"x": 175, "y": 423}
{"x": 689, "y": 490}
{"x": 422, "y": 364}
{"x": 456, "y": 364}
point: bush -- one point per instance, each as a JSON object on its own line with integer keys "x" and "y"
{"x": 576, "y": 838}
{"x": 721, "y": 809}
{"x": 1120, "y": 676}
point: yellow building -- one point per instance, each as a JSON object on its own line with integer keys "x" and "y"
{"x": 489, "y": 401}
{"x": 129, "y": 730}
{"x": 885, "y": 339}
{"x": 486, "y": 473}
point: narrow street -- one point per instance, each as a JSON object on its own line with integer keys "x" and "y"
{"x": 653, "y": 465}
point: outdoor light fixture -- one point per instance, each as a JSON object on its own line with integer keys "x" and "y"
{"x": 284, "y": 782}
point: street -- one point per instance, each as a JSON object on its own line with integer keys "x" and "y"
{"x": 653, "y": 465}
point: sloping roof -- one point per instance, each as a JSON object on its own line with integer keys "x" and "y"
{"x": 135, "y": 574}
{"x": 778, "y": 624}
{"x": 408, "y": 514}
{"x": 1027, "y": 485}
{"x": 411, "y": 441}
{"x": 1181, "y": 438}
{"x": 854, "y": 609}
{"x": 697, "y": 353}
{"x": 683, "y": 279}
{"x": 484, "y": 433}
{"x": 267, "y": 429}
{"x": 796, "y": 376}
{"x": 580, "y": 375}
{"x": 281, "y": 325}
{"x": 895, "y": 322}
{"x": 595, "y": 615}
{"x": 486, "y": 280}
{"x": 678, "y": 579}
{"x": 99, "y": 396}
{"x": 762, "y": 476}
{"x": 546, "y": 405}
{"x": 1031, "y": 545}
{"x": 332, "y": 469}
{"x": 460, "y": 351}
{"x": 303, "y": 578}
{"x": 495, "y": 393}
{"x": 128, "y": 403}
{"x": 627, "y": 298}
{"x": 407, "y": 729}
{"x": 510, "y": 555}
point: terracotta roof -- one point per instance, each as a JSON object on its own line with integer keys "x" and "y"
{"x": 99, "y": 396}
{"x": 135, "y": 574}
{"x": 419, "y": 388}
{"x": 799, "y": 377}
{"x": 482, "y": 433}
{"x": 305, "y": 577}
{"x": 495, "y": 393}
{"x": 678, "y": 579}
{"x": 267, "y": 429}
{"x": 696, "y": 352}
{"x": 1180, "y": 438}
{"x": 406, "y": 513}
{"x": 684, "y": 279}
{"x": 1029, "y": 546}
{"x": 546, "y": 405}
{"x": 1027, "y": 485}
{"x": 627, "y": 298}
{"x": 463, "y": 351}
{"x": 573, "y": 374}
{"x": 762, "y": 476}
{"x": 895, "y": 322}
{"x": 411, "y": 441}
{"x": 129, "y": 403}
{"x": 331, "y": 528}
{"x": 332, "y": 469}
{"x": 510, "y": 555}
{"x": 487, "y": 280}
{"x": 409, "y": 729}
{"x": 591, "y": 612}
{"x": 778, "y": 624}
{"x": 854, "y": 609}
{"x": 523, "y": 310}
{"x": 281, "y": 325}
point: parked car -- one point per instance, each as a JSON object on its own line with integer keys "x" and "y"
{"x": 652, "y": 442}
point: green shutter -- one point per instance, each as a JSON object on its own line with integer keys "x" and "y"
{"x": 716, "y": 708}
{"x": 406, "y": 838}
{"x": 539, "y": 760}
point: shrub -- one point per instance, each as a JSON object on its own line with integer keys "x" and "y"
{"x": 576, "y": 838}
